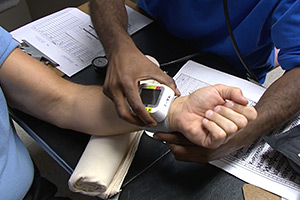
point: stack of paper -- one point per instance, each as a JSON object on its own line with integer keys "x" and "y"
{"x": 68, "y": 37}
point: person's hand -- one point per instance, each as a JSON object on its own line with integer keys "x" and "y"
{"x": 125, "y": 71}
{"x": 211, "y": 116}
{"x": 184, "y": 150}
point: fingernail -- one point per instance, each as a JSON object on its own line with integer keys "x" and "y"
{"x": 229, "y": 104}
{"x": 204, "y": 121}
{"x": 217, "y": 109}
{"x": 209, "y": 113}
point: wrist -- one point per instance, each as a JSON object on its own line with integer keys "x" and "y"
{"x": 174, "y": 113}
{"x": 121, "y": 45}
{"x": 164, "y": 126}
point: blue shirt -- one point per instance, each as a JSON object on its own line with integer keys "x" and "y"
{"x": 258, "y": 26}
{"x": 16, "y": 168}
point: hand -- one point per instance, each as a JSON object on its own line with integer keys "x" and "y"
{"x": 121, "y": 84}
{"x": 206, "y": 119}
{"x": 184, "y": 150}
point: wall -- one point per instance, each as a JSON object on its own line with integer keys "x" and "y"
{"x": 28, "y": 10}
{"x": 38, "y": 9}
{"x": 16, "y": 16}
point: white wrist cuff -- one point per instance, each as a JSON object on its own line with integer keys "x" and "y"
{"x": 162, "y": 126}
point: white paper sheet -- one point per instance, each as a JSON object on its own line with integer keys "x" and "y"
{"x": 257, "y": 164}
{"x": 69, "y": 39}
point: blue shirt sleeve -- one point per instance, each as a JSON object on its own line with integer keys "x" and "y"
{"x": 286, "y": 34}
{"x": 7, "y": 45}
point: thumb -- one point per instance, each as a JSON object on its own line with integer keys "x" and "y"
{"x": 164, "y": 78}
{"x": 232, "y": 93}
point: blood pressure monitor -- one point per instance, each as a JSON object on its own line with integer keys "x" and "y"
{"x": 157, "y": 99}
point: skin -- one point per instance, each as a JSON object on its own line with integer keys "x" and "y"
{"x": 216, "y": 120}
{"x": 271, "y": 114}
{"x": 35, "y": 89}
{"x": 278, "y": 105}
{"x": 127, "y": 65}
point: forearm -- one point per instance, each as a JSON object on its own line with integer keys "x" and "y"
{"x": 278, "y": 105}
{"x": 110, "y": 21}
{"x": 33, "y": 88}
{"x": 93, "y": 113}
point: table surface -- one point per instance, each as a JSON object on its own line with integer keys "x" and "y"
{"x": 166, "y": 178}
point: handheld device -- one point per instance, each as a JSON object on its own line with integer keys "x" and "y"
{"x": 157, "y": 99}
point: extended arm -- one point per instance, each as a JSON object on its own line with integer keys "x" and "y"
{"x": 127, "y": 65}
{"x": 33, "y": 88}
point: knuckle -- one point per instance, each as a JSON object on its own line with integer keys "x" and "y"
{"x": 220, "y": 135}
{"x": 254, "y": 114}
{"x": 177, "y": 154}
{"x": 243, "y": 122}
{"x": 123, "y": 114}
{"x": 232, "y": 129}
{"x": 170, "y": 82}
{"x": 239, "y": 90}
{"x": 218, "y": 85}
{"x": 174, "y": 149}
{"x": 136, "y": 108}
{"x": 125, "y": 80}
{"x": 191, "y": 131}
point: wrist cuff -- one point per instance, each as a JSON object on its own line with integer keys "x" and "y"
{"x": 162, "y": 126}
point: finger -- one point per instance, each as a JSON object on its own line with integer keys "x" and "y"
{"x": 232, "y": 93}
{"x": 172, "y": 138}
{"x": 135, "y": 102}
{"x": 189, "y": 153}
{"x": 106, "y": 88}
{"x": 165, "y": 79}
{"x": 248, "y": 111}
{"x": 224, "y": 119}
{"x": 240, "y": 120}
{"x": 216, "y": 135}
{"x": 124, "y": 111}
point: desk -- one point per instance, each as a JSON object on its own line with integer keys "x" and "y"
{"x": 167, "y": 178}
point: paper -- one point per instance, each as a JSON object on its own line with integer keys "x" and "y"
{"x": 257, "y": 164}
{"x": 69, "y": 39}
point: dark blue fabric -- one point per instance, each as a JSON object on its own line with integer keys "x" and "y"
{"x": 257, "y": 25}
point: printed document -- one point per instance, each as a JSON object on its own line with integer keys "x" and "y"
{"x": 257, "y": 164}
{"x": 68, "y": 37}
